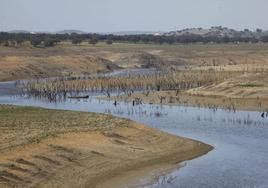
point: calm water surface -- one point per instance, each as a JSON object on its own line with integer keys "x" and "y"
{"x": 240, "y": 157}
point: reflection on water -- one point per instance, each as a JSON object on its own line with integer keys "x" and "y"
{"x": 240, "y": 139}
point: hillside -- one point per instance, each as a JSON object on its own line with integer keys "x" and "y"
{"x": 218, "y": 32}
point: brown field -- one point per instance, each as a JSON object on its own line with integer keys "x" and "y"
{"x": 53, "y": 148}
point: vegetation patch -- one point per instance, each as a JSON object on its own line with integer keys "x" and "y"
{"x": 21, "y": 125}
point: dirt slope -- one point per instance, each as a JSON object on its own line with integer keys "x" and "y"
{"x": 28, "y": 62}
{"x": 21, "y": 67}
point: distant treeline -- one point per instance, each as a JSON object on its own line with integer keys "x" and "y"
{"x": 47, "y": 40}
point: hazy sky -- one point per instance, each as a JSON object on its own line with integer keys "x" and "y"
{"x": 129, "y": 15}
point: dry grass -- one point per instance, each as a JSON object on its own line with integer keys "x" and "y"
{"x": 21, "y": 125}
{"x": 52, "y": 148}
{"x": 249, "y": 85}
{"x": 172, "y": 80}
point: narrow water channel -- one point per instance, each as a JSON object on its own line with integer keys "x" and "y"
{"x": 240, "y": 157}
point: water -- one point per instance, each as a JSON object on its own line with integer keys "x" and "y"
{"x": 240, "y": 157}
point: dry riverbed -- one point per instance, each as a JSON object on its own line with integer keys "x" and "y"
{"x": 54, "y": 148}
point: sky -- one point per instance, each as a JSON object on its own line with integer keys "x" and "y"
{"x": 131, "y": 15}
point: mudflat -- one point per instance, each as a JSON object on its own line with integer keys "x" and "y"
{"x": 54, "y": 148}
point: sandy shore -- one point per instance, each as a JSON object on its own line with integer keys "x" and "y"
{"x": 91, "y": 151}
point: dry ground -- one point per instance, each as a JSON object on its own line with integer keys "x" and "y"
{"x": 52, "y": 148}
{"x": 68, "y": 59}
{"x": 248, "y": 85}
